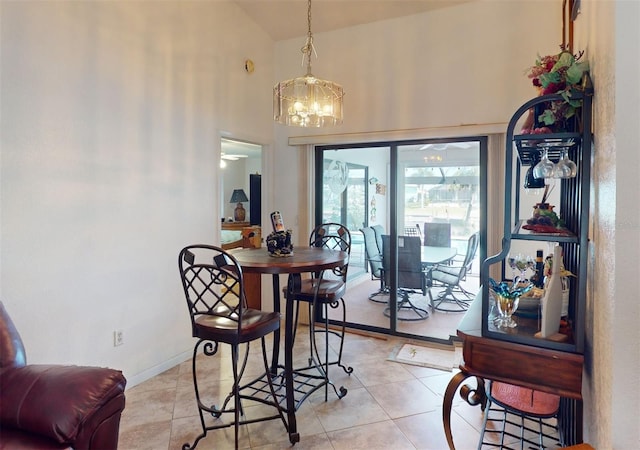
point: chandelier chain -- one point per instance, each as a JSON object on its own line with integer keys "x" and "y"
{"x": 308, "y": 47}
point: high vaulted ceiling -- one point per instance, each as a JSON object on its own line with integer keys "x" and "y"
{"x": 286, "y": 19}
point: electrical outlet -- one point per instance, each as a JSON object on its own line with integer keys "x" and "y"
{"x": 118, "y": 338}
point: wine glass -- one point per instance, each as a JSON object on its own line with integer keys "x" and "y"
{"x": 565, "y": 168}
{"x": 520, "y": 265}
{"x": 545, "y": 168}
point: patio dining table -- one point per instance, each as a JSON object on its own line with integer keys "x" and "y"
{"x": 431, "y": 256}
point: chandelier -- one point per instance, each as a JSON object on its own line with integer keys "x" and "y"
{"x": 308, "y": 101}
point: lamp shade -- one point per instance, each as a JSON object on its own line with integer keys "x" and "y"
{"x": 308, "y": 102}
{"x": 238, "y": 196}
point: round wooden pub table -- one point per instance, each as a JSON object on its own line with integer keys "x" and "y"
{"x": 257, "y": 261}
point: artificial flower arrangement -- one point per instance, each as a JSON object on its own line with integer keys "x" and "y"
{"x": 556, "y": 74}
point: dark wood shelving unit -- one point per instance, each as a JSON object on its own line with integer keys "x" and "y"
{"x": 515, "y": 355}
{"x": 521, "y": 150}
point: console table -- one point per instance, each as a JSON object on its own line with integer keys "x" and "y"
{"x": 234, "y": 225}
{"x": 532, "y": 367}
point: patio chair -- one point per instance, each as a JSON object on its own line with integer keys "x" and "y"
{"x": 437, "y": 234}
{"x": 373, "y": 256}
{"x": 412, "y": 277}
{"x": 451, "y": 278}
{"x": 379, "y": 231}
{"x": 412, "y": 231}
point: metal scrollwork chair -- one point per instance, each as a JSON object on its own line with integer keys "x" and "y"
{"x": 451, "y": 278}
{"x": 214, "y": 290}
{"x": 326, "y": 290}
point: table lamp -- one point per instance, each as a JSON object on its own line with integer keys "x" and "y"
{"x": 238, "y": 196}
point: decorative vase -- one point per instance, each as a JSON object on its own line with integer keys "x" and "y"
{"x": 239, "y": 214}
{"x": 507, "y": 299}
{"x": 506, "y": 307}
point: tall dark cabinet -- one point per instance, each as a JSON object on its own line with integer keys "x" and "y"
{"x": 255, "y": 199}
{"x": 523, "y": 151}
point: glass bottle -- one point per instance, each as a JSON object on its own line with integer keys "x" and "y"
{"x": 552, "y": 299}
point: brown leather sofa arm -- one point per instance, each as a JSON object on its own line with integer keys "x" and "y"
{"x": 70, "y": 405}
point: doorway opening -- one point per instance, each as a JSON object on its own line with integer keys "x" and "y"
{"x": 240, "y": 163}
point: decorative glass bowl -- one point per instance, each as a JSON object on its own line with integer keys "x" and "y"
{"x": 507, "y": 298}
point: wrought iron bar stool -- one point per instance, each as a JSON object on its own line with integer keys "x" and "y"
{"x": 326, "y": 290}
{"x": 527, "y": 405}
{"x": 214, "y": 290}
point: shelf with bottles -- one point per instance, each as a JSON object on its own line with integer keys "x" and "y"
{"x": 527, "y": 311}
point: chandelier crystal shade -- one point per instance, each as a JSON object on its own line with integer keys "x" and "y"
{"x": 308, "y": 101}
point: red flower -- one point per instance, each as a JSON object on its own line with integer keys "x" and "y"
{"x": 552, "y": 88}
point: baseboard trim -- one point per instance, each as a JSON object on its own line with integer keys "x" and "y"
{"x": 156, "y": 370}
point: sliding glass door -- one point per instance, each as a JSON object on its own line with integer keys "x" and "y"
{"x": 388, "y": 194}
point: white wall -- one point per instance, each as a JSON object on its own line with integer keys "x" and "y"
{"x": 112, "y": 114}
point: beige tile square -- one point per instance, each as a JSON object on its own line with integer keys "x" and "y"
{"x": 426, "y": 431}
{"x": 383, "y": 435}
{"x": 380, "y": 371}
{"x": 358, "y": 407}
{"x": 405, "y": 398}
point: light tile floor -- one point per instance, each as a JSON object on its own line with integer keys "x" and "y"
{"x": 389, "y": 405}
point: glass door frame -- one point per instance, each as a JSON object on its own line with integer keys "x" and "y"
{"x": 318, "y": 151}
